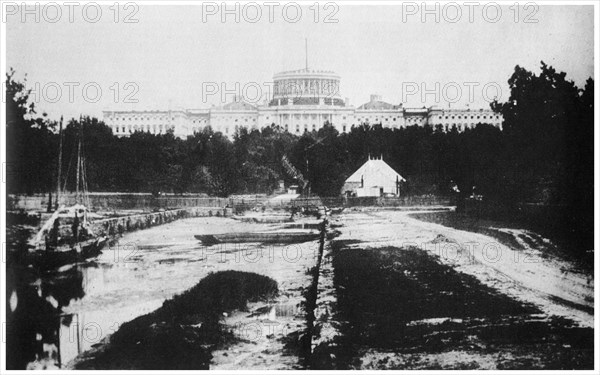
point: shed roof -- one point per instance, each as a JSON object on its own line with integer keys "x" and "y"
{"x": 375, "y": 172}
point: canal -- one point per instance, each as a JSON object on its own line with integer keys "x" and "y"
{"x": 58, "y": 315}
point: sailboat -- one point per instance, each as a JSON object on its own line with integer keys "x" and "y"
{"x": 67, "y": 236}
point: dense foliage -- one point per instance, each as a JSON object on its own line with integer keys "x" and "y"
{"x": 544, "y": 154}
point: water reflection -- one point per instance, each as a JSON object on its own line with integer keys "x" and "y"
{"x": 33, "y": 321}
{"x": 38, "y": 332}
{"x": 48, "y": 325}
{"x": 61, "y": 314}
{"x": 274, "y": 311}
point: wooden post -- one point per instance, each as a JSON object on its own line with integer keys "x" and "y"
{"x": 59, "y": 359}
{"x": 49, "y": 207}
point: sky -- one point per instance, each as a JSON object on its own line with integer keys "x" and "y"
{"x": 174, "y": 54}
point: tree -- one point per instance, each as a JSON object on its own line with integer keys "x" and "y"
{"x": 30, "y": 153}
{"x": 548, "y": 158}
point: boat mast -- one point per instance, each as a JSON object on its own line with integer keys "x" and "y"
{"x": 78, "y": 161}
{"x": 60, "y": 149}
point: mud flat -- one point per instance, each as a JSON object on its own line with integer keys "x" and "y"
{"x": 147, "y": 267}
{"x": 416, "y": 295}
{"x": 276, "y": 335}
{"x": 182, "y": 332}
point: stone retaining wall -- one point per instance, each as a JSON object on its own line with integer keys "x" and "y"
{"x": 119, "y": 225}
{"x": 128, "y": 201}
{"x": 325, "y": 327}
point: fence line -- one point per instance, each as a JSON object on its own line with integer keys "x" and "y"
{"x": 148, "y": 202}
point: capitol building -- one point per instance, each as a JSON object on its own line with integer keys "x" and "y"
{"x": 302, "y": 101}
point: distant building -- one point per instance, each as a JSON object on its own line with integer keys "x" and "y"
{"x": 302, "y": 101}
{"x": 374, "y": 178}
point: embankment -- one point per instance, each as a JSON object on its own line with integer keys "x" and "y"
{"x": 119, "y": 225}
{"x": 321, "y": 306}
{"x": 182, "y": 333}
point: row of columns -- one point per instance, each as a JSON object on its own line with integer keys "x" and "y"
{"x": 292, "y": 121}
{"x": 155, "y": 129}
{"x": 307, "y": 86}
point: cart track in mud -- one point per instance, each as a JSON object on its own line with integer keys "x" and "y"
{"x": 403, "y": 305}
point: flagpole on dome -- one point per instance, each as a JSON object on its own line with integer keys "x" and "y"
{"x": 306, "y": 51}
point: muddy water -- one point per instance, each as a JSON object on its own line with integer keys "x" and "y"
{"x": 135, "y": 275}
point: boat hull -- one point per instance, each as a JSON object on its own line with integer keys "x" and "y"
{"x": 263, "y": 237}
{"x": 264, "y": 219}
{"x": 53, "y": 259}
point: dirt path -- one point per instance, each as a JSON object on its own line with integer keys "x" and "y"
{"x": 453, "y": 299}
{"x": 433, "y": 297}
{"x": 528, "y": 275}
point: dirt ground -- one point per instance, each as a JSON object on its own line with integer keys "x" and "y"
{"x": 135, "y": 275}
{"x": 418, "y": 295}
{"x": 405, "y": 294}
